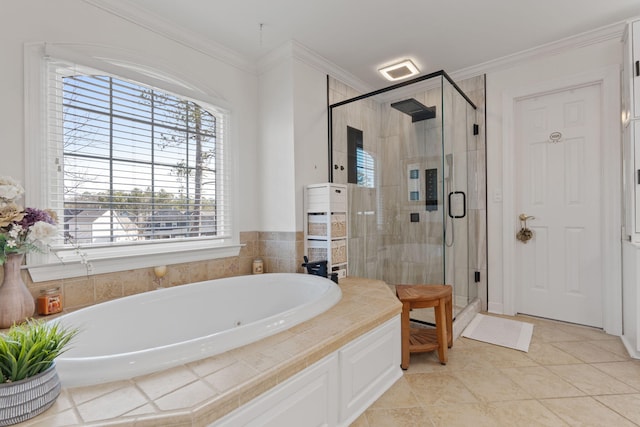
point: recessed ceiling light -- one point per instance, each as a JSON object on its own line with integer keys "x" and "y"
{"x": 399, "y": 70}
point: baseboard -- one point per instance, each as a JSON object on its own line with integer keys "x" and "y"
{"x": 465, "y": 317}
{"x": 633, "y": 352}
{"x": 495, "y": 308}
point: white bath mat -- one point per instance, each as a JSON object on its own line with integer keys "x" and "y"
{"x": 499, "y": 331}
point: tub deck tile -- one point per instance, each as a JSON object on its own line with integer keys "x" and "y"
{"x": 112, "y": 405}
{"x": 207, "y": 366}
{"x": 188, "y": 396}
{"x": 80, "y": 395}
{"x": 232, "y": 377}
{"x": 203, "y": 391}
{"x": 159, "y": 384}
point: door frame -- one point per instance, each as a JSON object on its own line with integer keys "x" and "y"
{"x": 611, "y": 178}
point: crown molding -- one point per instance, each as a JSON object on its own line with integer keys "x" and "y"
{"x": 129, "y": 11}
{"x": 309, "y": 57}
{"x": 591, "y": 37}
{"x": 292, "y": 49}
{"x": 297, "y": 51}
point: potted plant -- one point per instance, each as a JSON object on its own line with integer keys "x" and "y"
{"x": 29, "y": 383}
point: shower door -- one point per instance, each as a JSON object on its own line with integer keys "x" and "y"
{"x": 404, "y": 156}
{"x": 458, "y": 130}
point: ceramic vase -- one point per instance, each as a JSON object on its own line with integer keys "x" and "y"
{"x": 16, "y": 302}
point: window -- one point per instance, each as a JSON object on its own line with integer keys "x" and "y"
{"x": 360, "y": 164}
{"x": 138, "y": 175}
{"x": 137, "y": 163}
{"x": 365, "y": 168}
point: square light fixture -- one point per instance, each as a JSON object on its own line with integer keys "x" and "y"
{"x": 400, "y": 70}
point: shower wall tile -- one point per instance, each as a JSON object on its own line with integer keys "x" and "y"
{"x": 340, "y": 91}
{"x": 474, "y": 194}
{"x": 478, "y": 239}
{"x": 461, "y": 293}
{"x": 356, "y": 257}
{"x": 478, "y": 175}
{"x": 354, "y": 115}
{"x": 389, "y": 121}
{"x": 388, "y": 168}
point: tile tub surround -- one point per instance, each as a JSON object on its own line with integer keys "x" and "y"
{"x": 282, "y": 252}
{"x": 198, "y": 393}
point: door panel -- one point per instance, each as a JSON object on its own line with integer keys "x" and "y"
{"x": 559, "y": 271}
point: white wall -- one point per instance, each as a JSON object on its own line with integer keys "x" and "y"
{"x": 276, "y": 150}
{"x": 293, "y": 136}
{"x": 512, "y": 80}
{"x": 310, "y": 133}
{"x": 77, "y": 22}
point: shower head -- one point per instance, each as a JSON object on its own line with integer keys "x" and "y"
{"x": 415, "y": 109}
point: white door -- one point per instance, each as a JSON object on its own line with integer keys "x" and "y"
{"x": 559, "y": 272}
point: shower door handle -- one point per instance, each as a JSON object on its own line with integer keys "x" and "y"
{"x": 464, "y": 204}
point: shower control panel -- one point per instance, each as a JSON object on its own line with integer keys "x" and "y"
{"x": 431, "y": 189}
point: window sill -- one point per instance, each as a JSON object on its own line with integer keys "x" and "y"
{"x": 70, "y": 264}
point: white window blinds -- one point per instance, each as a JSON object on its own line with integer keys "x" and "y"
{"x": 365, "y": 168}
{"x": 134, "y": 164}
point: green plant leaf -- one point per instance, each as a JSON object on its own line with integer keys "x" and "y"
{"x": 31, "y": 347}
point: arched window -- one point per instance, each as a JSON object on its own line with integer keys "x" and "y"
{"x": 138, "y": 163}
{"x": 138, "y": 174}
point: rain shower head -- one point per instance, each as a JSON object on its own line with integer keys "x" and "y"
{"x": 415, "y": 109}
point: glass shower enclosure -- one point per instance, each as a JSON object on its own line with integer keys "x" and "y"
{"x": 403, "y": 152}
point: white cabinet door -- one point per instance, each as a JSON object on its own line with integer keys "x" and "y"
{"x": 368, "y": 367}
{"x": 635, "y": 139}
{"x": 305, "y": 400}
{"x": 635, "y": 67}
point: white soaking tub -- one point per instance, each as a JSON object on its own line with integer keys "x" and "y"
{"x": 156, "y": 330}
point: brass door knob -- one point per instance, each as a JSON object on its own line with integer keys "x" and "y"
{"x": 524, "y": 234}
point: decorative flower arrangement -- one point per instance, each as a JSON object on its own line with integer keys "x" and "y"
{"x": 22, "y": 230}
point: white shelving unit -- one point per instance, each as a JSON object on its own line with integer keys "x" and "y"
{"x": 631, "y": 129}
{"x": 631, "y": 185}
{"x": 326, "y": 226}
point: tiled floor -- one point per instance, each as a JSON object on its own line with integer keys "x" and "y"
{"x": 571, "y": 376}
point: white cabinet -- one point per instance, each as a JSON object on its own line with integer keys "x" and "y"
{"x": 333, "y": 391}
{"x": 635, "y": 67}
{"x": 631, "y": 72}
{"x": 631, "y": 130}
{"x": 367, "y": 366}
{"x": 326, "y": 226}
{"x": 631, "y": 181}
{"x": 630, "y": 303}
{"x": 306, "y": 399}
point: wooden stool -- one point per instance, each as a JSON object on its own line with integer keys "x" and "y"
{"x": 416, "y": 340}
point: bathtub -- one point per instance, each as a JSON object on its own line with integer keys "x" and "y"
{"x": 156, "y": 330}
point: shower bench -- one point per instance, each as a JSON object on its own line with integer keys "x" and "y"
{"x": 417, "y": 340}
